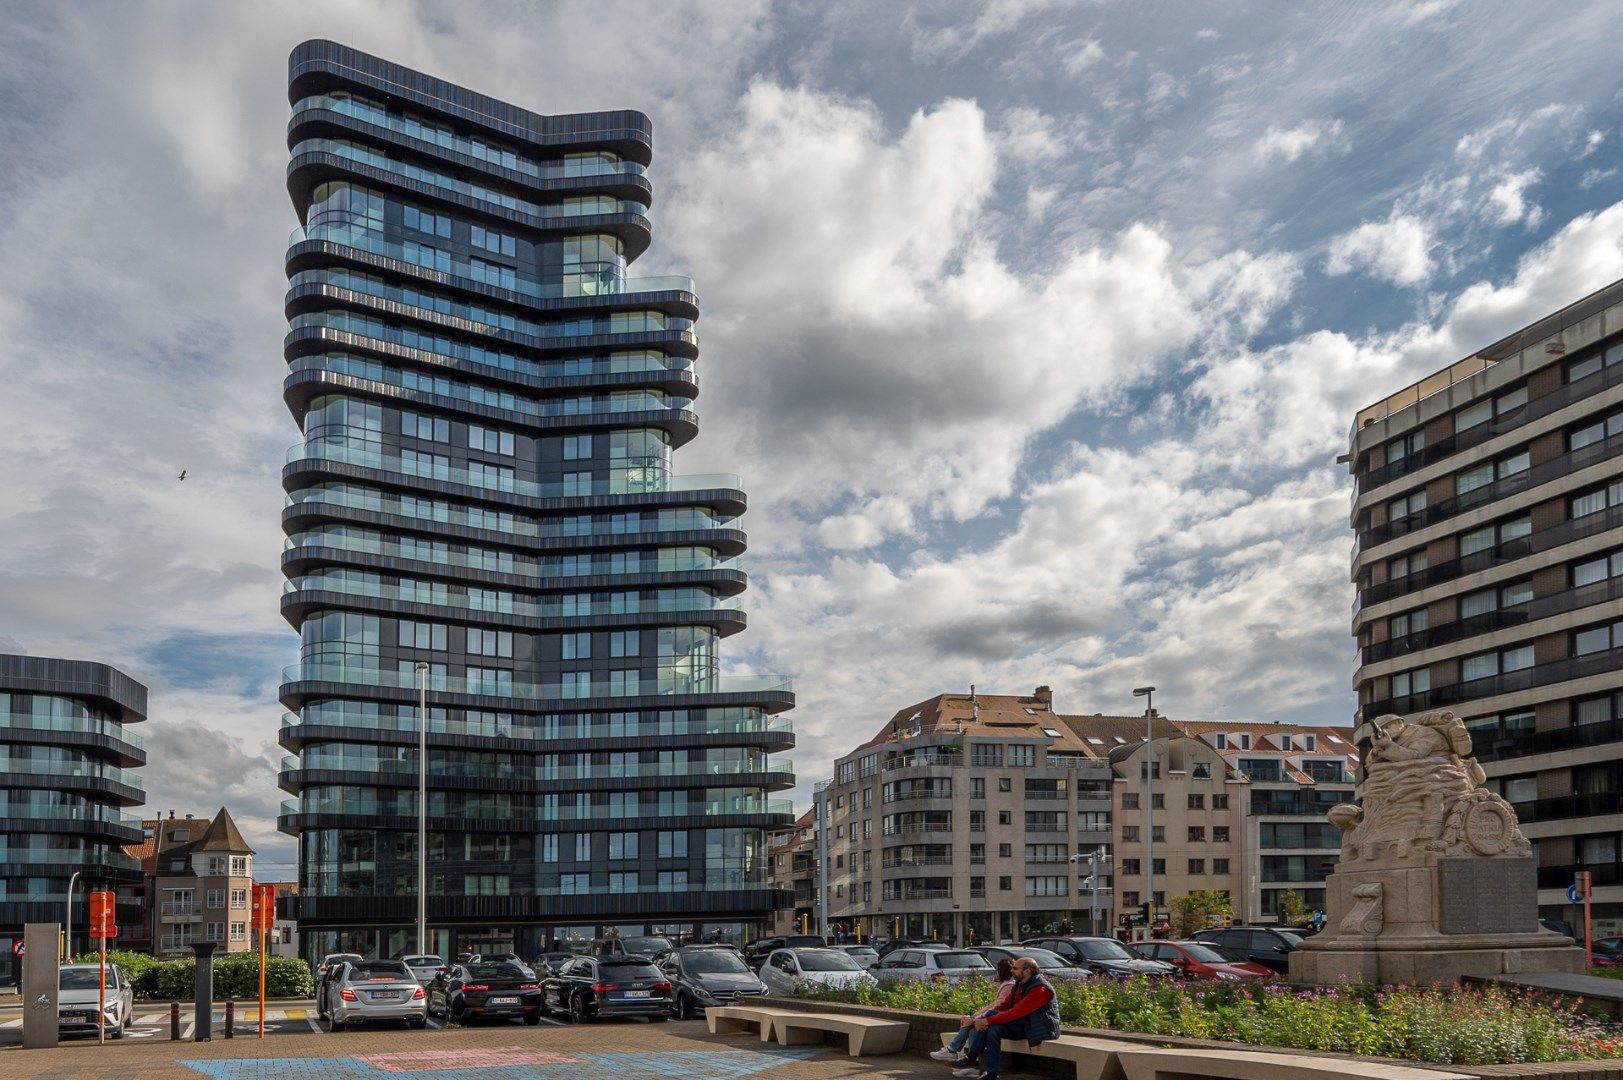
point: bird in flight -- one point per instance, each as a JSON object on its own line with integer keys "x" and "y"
{"x": 183, "y": 474}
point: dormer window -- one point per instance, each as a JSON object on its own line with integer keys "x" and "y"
{"x": 1309, "y": 742}
{"x": 1221, "y": 740}
{"x": 1245, "y": 740}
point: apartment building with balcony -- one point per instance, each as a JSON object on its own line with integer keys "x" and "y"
{"x": 792, "y": 873}
{"x": 202, "y": 886}
{"x": 1283, "y": 779}
{"x": 68, "y": 761}
{"x": 1488, "y": 562}
{"x": 960, "y": 819}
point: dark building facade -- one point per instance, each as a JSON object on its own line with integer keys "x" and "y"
{"x": 67, "y": 761}
{"x": 490, "y": 406}
{"x": 1488, "y": 509}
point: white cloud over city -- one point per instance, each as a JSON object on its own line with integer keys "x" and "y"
{"x": 1034, "y": 327}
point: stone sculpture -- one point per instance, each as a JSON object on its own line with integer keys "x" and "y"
{"x": 1436, "y": 879}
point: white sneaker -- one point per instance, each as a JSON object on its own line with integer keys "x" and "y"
{"x": 945, "y": 1054}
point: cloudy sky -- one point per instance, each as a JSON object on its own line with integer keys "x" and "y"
{"x": 1035, "y": 327}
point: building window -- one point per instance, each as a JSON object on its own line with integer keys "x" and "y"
{"x": 977, "y": 821}
{"x": 239, "y": 899}
{"x": 1022, "y": 755}
{"x": 1056, "y": 885}
{"x": 1501, "y": 598}
{"x": 1410, "y": 622}
{"x": 1003, "y": 817}
{"x": 239, "y": 931}
{"x": 673, "y": 845}
{"x": 1396, "y": 569}
{"x": 216, "y": 898}
{"x": 1404, "y": 506}
{"x": 1129, "y": 834}
{"x": 1197, "y": 866}
{"x": 1005, "y": 851}
{"x": 1220, "y": 866}
{"x": 1129, "y": 800}
{"x": 1409, "y": 683}
{"x": 1130, "y": 867}
{"x": 623, "y": 845}
{"x": 1197, "y": 802}
{"x": 1504, "y": 661}
{"x": 1202, "y": 770}
{"x": 1005, "y": 883}
{"x": 1197, "y": 834}
{"x": 1220, "y": 802}
{"x": 1220, "y": 834}
{"x": 214, "y": 931}
{"x": 1129, "y": 899}
{"x": 977, "y": 888}
{"x": 1595, "y": 639}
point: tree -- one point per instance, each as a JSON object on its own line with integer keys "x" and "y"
{"x": 1293, "y": 907}
{"x": 1196, "y": 911}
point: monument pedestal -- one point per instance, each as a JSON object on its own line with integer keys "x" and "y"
{"x": 1433, "y": 919}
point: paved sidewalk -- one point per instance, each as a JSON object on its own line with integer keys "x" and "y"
{"x": 607, "y": 1051}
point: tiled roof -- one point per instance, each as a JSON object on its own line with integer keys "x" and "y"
{"x": 147, "y": 849}
{"x": 993, "y": 715}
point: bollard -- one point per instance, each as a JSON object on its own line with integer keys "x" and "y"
{"x": 174, "y": 1021}
{"x": 230, "y": 1019}
{"x": 203, "y": 988}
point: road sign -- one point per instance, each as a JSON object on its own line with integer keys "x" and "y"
{"x": 101, "y": 915}
{"x": 1574, "y": 895}
{"x": 264, "y": 907}
{"x": 17, "y": 947}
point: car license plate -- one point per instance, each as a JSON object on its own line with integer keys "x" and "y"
{"x": 385, "y": 995}
{"x": 71, "y": 1018}
{"x": 636, "y": 993}
{"x": 504, "y": 1001}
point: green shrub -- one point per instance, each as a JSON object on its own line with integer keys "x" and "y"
{"x": 236, "y": 975}
{"x": 1446, "y": 1025}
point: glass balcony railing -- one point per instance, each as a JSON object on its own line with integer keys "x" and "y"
{"x": 655, "y": 725}
{"x": 633, "y": 482}
{"x": 35, "y": 857}
{"x": 380, "y": 118}
{"x": 520, "y": 567}
{"x": 364, "y": 155}
{"x": 81, "y": 724}
{"x": 557, "y": 609}
{"x": 361, "y": 802}
{"x": 546, "y": 692}
{"x": 681, "y": 771}
{"x": 586, "y": 285}
{"x": 93, "y": 769}
{"x": 543, "y": 409}
{"x": 669, "y": 521}
{"x": 91, "y": 814}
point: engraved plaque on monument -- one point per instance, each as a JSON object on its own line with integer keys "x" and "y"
{"x": 1487, "y": 896}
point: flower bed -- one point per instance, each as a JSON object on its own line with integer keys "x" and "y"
{"x": 1470, "y": 1025}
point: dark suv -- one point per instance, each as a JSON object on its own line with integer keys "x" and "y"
{"x": 1263, "y": 945}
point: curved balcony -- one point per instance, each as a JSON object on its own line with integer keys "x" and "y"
{"x": 359, "y": 813}
{"x": 93, "y": 820}
{"x": 78, "y": 732}
{"x": 105, "y": 783}
{"x": 348, "y": 114}
{"x": 310, "y": 509}
{"x": 772, "y": 693}
{"x": 296, "y": 774}
{"x": 43, "y": 862}
{"x": 312, "y": 462}
{"x": 765, "y": 732}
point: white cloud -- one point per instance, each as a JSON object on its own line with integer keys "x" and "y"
{"x": 1396, "y": 250}
{"x": 1288, "y": 144}
{"x": 1509, "y": 199}
{"x": 1083, "y": 56}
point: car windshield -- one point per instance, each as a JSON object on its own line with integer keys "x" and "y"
{"x": 820, "y": 960}
{"x": 381, "y": 969}
{"x": 623, "y": 973}
{"x": 1102, "y": 949}
{"x": 1044, "y": 959}
{"x": 1294, "y": 939}
{"x": 646, "y": 944}
{"x": 502, "y": 970}
{"x": 424, "y": 961}
{"x": 803, "y": 941}
{"x": 84, "y": 978}
{"x": 714, "y": 962}
{"x": 957, "y": 960}
{"x": 339, "y": 958}
{"x": 1204, "y": 954}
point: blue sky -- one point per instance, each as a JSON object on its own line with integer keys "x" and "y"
{"x": 1034, "y": 326}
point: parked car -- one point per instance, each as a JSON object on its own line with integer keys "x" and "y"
{"x": 1050, "y": 965}
{"x": 324, "y": 969}
{"x": 907, "y": 943}
{"x": 549, "y": 963}
{"x": 486, "y": 990}
{"x": 756, "y": 952}
{"x": 505, "y": 958}
{"x": 706, "y": 975}
{"x": 862, "y": 954}
{"x": 372, "y": 990}
{"x": 1198, "y": 960}
{"x": 424, "y": 966}
{"x": 651, "y": 946}
{"x": 1101, "y": 956}
{"x": 1265, "y": 945}
{"x": 600, "y": 987}
{"x": 930, "y": 965}
{"x": 79, "y": 991}
{"x": 1559, "y": 926}
{"x": 787, "y": 968}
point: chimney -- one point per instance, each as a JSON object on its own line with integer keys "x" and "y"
{"x": 171, "y": 815}
{"x": 974, "y": 705}
{"x": 1045, "y": 694}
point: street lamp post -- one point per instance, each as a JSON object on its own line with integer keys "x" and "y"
{"x": 1148, "y": 693}
{"x": 422, "y": 807}
{"x": 1096, "y": 860}
{"x": 67, "y": 922}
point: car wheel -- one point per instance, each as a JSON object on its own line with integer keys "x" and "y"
{"x": 684, "y": 1006}
{"x": 577, "y": 1010}
{"x": 116, "y": 1031}
{"x": 532, "y": 1019}
{"x": 418, "y": 1024}
{"x": 334, "y": 1024}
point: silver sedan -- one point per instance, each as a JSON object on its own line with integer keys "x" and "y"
{"x": 368, "y": 990}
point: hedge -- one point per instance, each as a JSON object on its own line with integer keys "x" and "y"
{"x": 236, "y": 975}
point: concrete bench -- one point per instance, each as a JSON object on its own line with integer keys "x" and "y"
{"x": 865, "y": 1035}
{"x": 1095, "y": 1059}
{"x": 1147, "y": 1063}
{"x": 735, "y": 1019}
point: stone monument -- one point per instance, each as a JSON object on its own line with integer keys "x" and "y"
{"x": 1436, "y": 880}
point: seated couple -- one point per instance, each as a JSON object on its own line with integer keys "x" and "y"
{"x": 1025, "y": 1008}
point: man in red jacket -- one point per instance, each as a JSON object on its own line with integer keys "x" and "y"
{"x": 1032, "y": 1014}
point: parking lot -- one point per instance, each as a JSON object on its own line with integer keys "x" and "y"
{"x": 297, "y": 1048}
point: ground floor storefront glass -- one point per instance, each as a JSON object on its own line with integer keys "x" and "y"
{"x": 527, "y": 941}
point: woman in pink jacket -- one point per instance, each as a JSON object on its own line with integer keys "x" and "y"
{"x": 1005, "y": 991}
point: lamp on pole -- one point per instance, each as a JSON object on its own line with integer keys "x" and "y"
{"x": 67, "y": 922}
{"x": 1097, "y": 860}
{"x": 422, "y": 807}
{"x": 1148, "y": 693}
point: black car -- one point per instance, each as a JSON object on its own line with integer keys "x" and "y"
{"x": 486, "y": 991}
{"x": 598, "y": 987}
{"x": 706, "y": 975}
{"x": 1263, "y": 945}
{"x": 907, "y": 943}
{"x": 549, "y": 963}
{"x": 1101, "y": 956}
{"x": 756, "y": 952}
